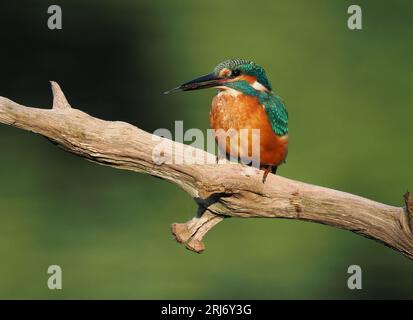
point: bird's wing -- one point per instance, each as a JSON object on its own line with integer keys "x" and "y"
{"x": 277, "y": 114}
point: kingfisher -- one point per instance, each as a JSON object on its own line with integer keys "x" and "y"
{"x": 245, "y": 100}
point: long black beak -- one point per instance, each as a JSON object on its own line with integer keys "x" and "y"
{"x": 207, "y": 81}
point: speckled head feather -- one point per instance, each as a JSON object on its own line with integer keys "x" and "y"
{"x": 245, "y": 67}
{"x": 231, "y": 64}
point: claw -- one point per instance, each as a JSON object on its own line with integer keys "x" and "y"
{"x": 266, "y": 172}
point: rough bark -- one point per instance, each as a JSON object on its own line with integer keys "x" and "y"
{"x": 220, "y": 190}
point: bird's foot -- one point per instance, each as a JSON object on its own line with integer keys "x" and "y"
{"x": 267, "y": 170}
{"x": 221, "y": 158}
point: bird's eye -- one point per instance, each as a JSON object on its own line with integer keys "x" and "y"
{"x": 235, "y": 73}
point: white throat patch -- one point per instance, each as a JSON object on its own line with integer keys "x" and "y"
{"x": 258, "y": 86}
{"x": 230, "y": 91}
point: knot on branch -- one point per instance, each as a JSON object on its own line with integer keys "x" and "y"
{"x": 59, "y": 99}
{"x": 409, "y": 209}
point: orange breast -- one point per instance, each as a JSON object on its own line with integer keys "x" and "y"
{"x": 236, "y": 112}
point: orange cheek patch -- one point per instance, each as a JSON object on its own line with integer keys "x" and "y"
{"x": 245, "y": 77}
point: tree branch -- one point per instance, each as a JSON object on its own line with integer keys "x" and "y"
{"x": 220, "y": 190}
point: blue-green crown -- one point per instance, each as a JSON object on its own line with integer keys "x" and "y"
{"x": 246, "y": 67}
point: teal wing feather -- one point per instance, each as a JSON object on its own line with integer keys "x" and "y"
{"x": 276, "y": 112}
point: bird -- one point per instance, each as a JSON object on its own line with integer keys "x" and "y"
{"x": 245, "y": 100}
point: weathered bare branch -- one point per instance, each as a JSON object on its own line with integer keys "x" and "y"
{"x": 220, "y": 190}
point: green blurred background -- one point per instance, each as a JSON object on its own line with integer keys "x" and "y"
{"x": 349, "y": 96}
